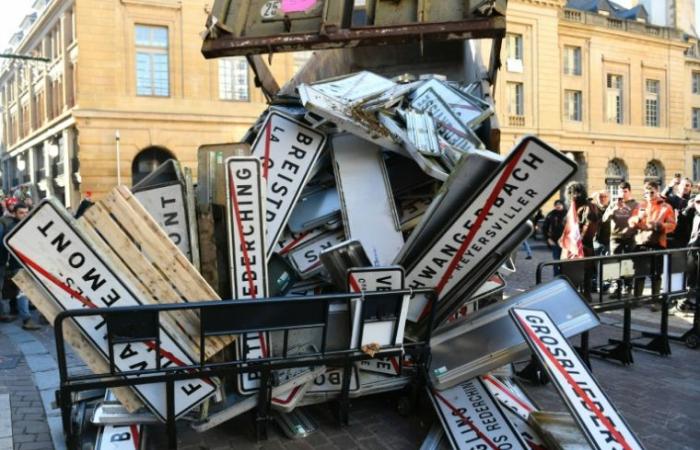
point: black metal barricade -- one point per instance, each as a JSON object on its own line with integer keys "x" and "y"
{"x": 233, "y": 318}
{"x": 670, "y": 270}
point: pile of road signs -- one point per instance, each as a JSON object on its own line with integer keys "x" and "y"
{"x": 358, "y": 184}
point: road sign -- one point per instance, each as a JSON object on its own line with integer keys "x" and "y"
{"x": 248, "y": 260}
{"x": 603, "y": 426}
{"x": 288, "y": 150}
{"x": 525, "y": 179}
{"x": 167, "y": 206}
{"x": 332, "y": 381}
{"x": 65, "y": 264}
{"x": 375, "y": 279}
{"x": 119, "y": 437}
{"x": 306, "y": 258}
{"x": 473, "y": 419}
{"x": 360, "y": 174}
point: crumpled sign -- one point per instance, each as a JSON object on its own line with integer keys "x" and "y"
{"x": 290, "y": 6}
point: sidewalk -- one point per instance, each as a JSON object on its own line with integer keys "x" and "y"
{"x": 657, "y": 396}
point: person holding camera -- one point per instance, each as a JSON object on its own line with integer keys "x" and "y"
{"x": 618, "y": 214}
{"x": 653, "y": 220}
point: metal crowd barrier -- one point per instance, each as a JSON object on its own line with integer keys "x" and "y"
{"x": 234, "y": 318}
{"x": 670, "y": 266}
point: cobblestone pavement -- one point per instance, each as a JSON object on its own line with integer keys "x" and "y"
{"x": 658, "y": 396}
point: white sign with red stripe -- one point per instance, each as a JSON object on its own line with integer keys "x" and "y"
{"x": 524, "y": 180}
{"x": 473, "y": 419}
{"x": 119, "y": 437}
{"x": 494, "y": 284}
{"x": 601, "y": 423}
{"x": 63, "y": 261}
{"x": 509, "y": 399}
{"x": 332, "y": 381}
{"x": 248, "y": 261}
{"x": 288, "y": 150}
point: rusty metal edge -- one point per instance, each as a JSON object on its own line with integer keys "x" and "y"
{"x": 228, "y": 45}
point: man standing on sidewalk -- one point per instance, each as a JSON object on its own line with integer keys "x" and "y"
{"x": 9, "y": 267}
{"x": 552, "y": 228}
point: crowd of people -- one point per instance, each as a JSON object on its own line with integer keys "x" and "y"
{"x": 13, "y": 302}
{"x": 601, "y": 225}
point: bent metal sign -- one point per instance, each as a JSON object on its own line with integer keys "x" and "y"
{"x": 63, "y": 262}
{"x": 530, "y": 174}
{"x": 603, "y": 426}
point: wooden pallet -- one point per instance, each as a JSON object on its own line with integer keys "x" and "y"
{"x": 134, "y": 243}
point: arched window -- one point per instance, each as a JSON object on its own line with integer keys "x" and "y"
{"x": 147, "y": 160}
{"x": 615, "y": 174}
{"x": 654, "y": 171}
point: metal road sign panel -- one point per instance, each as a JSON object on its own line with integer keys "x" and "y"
{"x": 306, "y": 259}
{"x": 340, "y": 113}
{"x": 508, "y": 398}
{"x": 525, "y": 180}
{"x": 603, "y": 426}
{"x": 373, "y": 279}
{"x": 167, "y": 205}
{"x": 493, "y": 285}
{"x": 351, "y": 89}
{"x": 472, "y": 419}
{"x": 332, "y": 381}
{"x": 288, "y": 150}
{"x": 65, "y": 264}
{"x": 473, "y": 170}
{"x": 360, "y": 174}
{"x": 468, "y": 110}
{"x": 377, "y": 383}
{"x": 487, "y": 340}
{"x": 247, "y": 250}
{"x": 119, "y": 437}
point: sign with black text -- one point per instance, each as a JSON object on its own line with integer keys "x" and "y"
{"x": 530, "y": 174}
{"x": 65, "y": 264}
{"x": 603, "y": 426}
{"x": 473, "y": 419}
{"x": 287, "y": 150}
{"x": 248, "y": 260}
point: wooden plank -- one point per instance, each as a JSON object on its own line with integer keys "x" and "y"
{"x": 119, "y": 248}
{"x": 156, "y": 245}
{"x": 74, "y": 337}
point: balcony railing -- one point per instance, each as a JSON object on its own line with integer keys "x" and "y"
{"x": 516, "y": 121}
{"x": 632, "y": 26}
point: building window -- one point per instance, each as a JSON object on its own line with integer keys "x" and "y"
{"x": 572, "y": 101}
{"x": 652, "y": 103}
{"x": 152, "y": 70}
{"x": 613, "y": 101}
{"x": 514, "y": 48}
{"x": 572, "y": 60}
{"x": 615, "y": 173}
{"x": 654, "y": 171}
{"x": 696, "y": 168}
{"x": 515, "y": 99}
{"x": 696, "y": 118}
{"x": 696, "y": 82}
{"x": 233, "y": 79}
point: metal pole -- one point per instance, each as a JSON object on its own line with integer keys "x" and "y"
{"x": 119, "y": 159}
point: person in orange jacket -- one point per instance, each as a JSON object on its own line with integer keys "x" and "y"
{"x": 653, "y": 220}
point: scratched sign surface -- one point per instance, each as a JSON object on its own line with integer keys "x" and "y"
{"x": 288, "y": 150}
{"x": 65, "y": 264}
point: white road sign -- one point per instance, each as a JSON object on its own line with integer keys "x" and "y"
{"x": 119, "y": 437}
{"x": 375, "y": 279}
{"x": 603, "y": 426}
{"x": 523, "y": 181}
{"x": 509, "y": 399}
{"x": 306, "y": 258}
{"x": 473, "y": 420}
{"x": 288, "y": 150}
{"x": 167, "y": 206}
{"x": 332, "y": 381}
{"x": 64, "y": 262}
{"x": 248, "y": 260}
